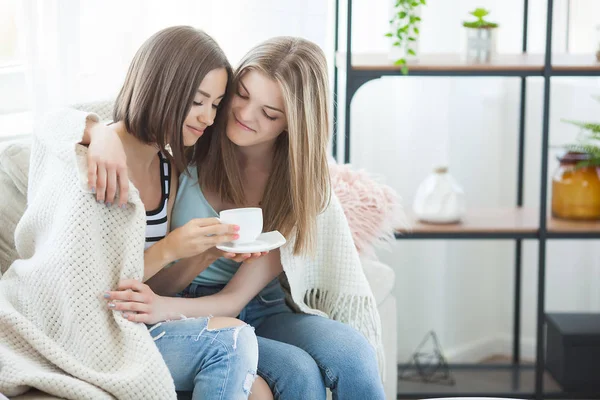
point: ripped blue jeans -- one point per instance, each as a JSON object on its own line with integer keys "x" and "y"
{"x": 300, "y": 355}
{"x": 214, "y": 364}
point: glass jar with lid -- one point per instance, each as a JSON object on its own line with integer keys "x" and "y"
{"x": 576, "y": 190}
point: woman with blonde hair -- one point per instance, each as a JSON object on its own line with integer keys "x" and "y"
{"x": 273, "y": 155}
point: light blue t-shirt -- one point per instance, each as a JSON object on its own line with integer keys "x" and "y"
{"x": 190, "y": 203}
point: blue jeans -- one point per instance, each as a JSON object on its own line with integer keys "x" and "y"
{"x": 214, "y": 364}
{"x": 300, "y": 355}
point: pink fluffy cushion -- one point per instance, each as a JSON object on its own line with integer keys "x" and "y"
{"x": 372, "y": 208}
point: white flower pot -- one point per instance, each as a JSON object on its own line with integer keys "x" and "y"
{"x": 481, "y": 44}
{"x": 439, "y": 199}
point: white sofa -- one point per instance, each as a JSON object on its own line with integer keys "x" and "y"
{"x": 14, "y": 166}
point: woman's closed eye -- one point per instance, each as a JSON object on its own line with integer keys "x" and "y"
{"x": 243, "y": 96}
{"x": 196, "y": 103}
{"x": 269, "y": 117}
{"x": 246, "y": 97}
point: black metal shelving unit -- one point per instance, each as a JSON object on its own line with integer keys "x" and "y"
{"x": 521, "y": 380}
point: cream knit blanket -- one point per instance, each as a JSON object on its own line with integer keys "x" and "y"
{"x": 56, "y": 333}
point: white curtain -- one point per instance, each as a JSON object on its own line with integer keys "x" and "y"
{"x": 79, "y": 51}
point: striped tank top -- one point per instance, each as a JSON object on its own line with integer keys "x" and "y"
{"x": 157, "y": 225}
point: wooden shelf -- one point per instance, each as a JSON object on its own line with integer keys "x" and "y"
{"x": 500, "y": 223}
{"x": 480, "y": 223}
{"x": 440, "y": 62}
{"x": 564, "y": 229}
{"x": 456, "y": 64}
{"x": 565, "y": 64}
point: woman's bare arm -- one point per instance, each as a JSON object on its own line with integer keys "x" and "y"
{"x": 247, "y": 282}
{"x": 139, "y": 303}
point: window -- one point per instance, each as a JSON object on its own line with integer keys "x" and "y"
{"x": 9, "y": 43}
{"x": 13, "y": 92}
{"x": 583, "y": 23}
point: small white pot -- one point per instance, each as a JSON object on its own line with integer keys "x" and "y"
{"x": 439, "y": 199}
{"x": 481, "y": 44}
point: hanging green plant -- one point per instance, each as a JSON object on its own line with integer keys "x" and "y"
{"x": 404, "y": 29}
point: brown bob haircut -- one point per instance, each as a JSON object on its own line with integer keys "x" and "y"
{"x": 160, "y": 86}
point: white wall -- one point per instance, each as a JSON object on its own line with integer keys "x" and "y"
{"x": 402, "y": 127}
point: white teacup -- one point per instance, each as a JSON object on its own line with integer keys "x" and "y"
{"x": 250, "y": 221}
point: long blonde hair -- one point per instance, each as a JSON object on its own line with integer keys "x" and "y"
{"x": 298, "y": 188}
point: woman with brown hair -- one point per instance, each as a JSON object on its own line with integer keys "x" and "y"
{"x": 175, "y": 84}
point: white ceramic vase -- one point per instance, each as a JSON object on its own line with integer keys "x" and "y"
{"x": 439, "y": 199}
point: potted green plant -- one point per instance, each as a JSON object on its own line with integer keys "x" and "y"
{"x": 588, "y": 143}
{"x": 481, "y": 38}
{"x": 576, "y": 181}
{"x": 404, "y": 31}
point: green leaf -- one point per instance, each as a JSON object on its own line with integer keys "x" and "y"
{"x": 401, "y": 61}
{"x": 594, "y": 162}
{"x": 480, "y": 12}
{"x": 424, "y": 2}
{"x": 416, "y": 30}
{"x": 480, "y": 24}
{"x": 594, "y": 127}
{"x": 411, "y": 52}
{"x": 388, "y": 35}
{"x": 402, "y": 14}
{"x": 397, "y": 44}
{"x": 418, "y": 19}
{"x": 594, "y": 151}
{"x": 412, "y": 39}
{"x": 586, "y": 147}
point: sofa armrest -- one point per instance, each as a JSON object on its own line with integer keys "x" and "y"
{"x": 381, "y": 278}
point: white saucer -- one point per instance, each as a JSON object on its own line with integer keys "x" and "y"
{"x": 265, "y": 242}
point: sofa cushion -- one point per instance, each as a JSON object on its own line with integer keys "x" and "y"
{"x": 372, "y": 208}
{"x": 14, "y": 166}
{"x": 14, "y": 160}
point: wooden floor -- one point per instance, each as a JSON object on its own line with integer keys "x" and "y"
{"x": 495, "y": 377}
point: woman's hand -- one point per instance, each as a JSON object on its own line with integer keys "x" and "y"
{"x": 238, "y": 257}
{"x": 138, "y": 303}
{"x": 198, "y": 236}
{"x": 107, "y": 165}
